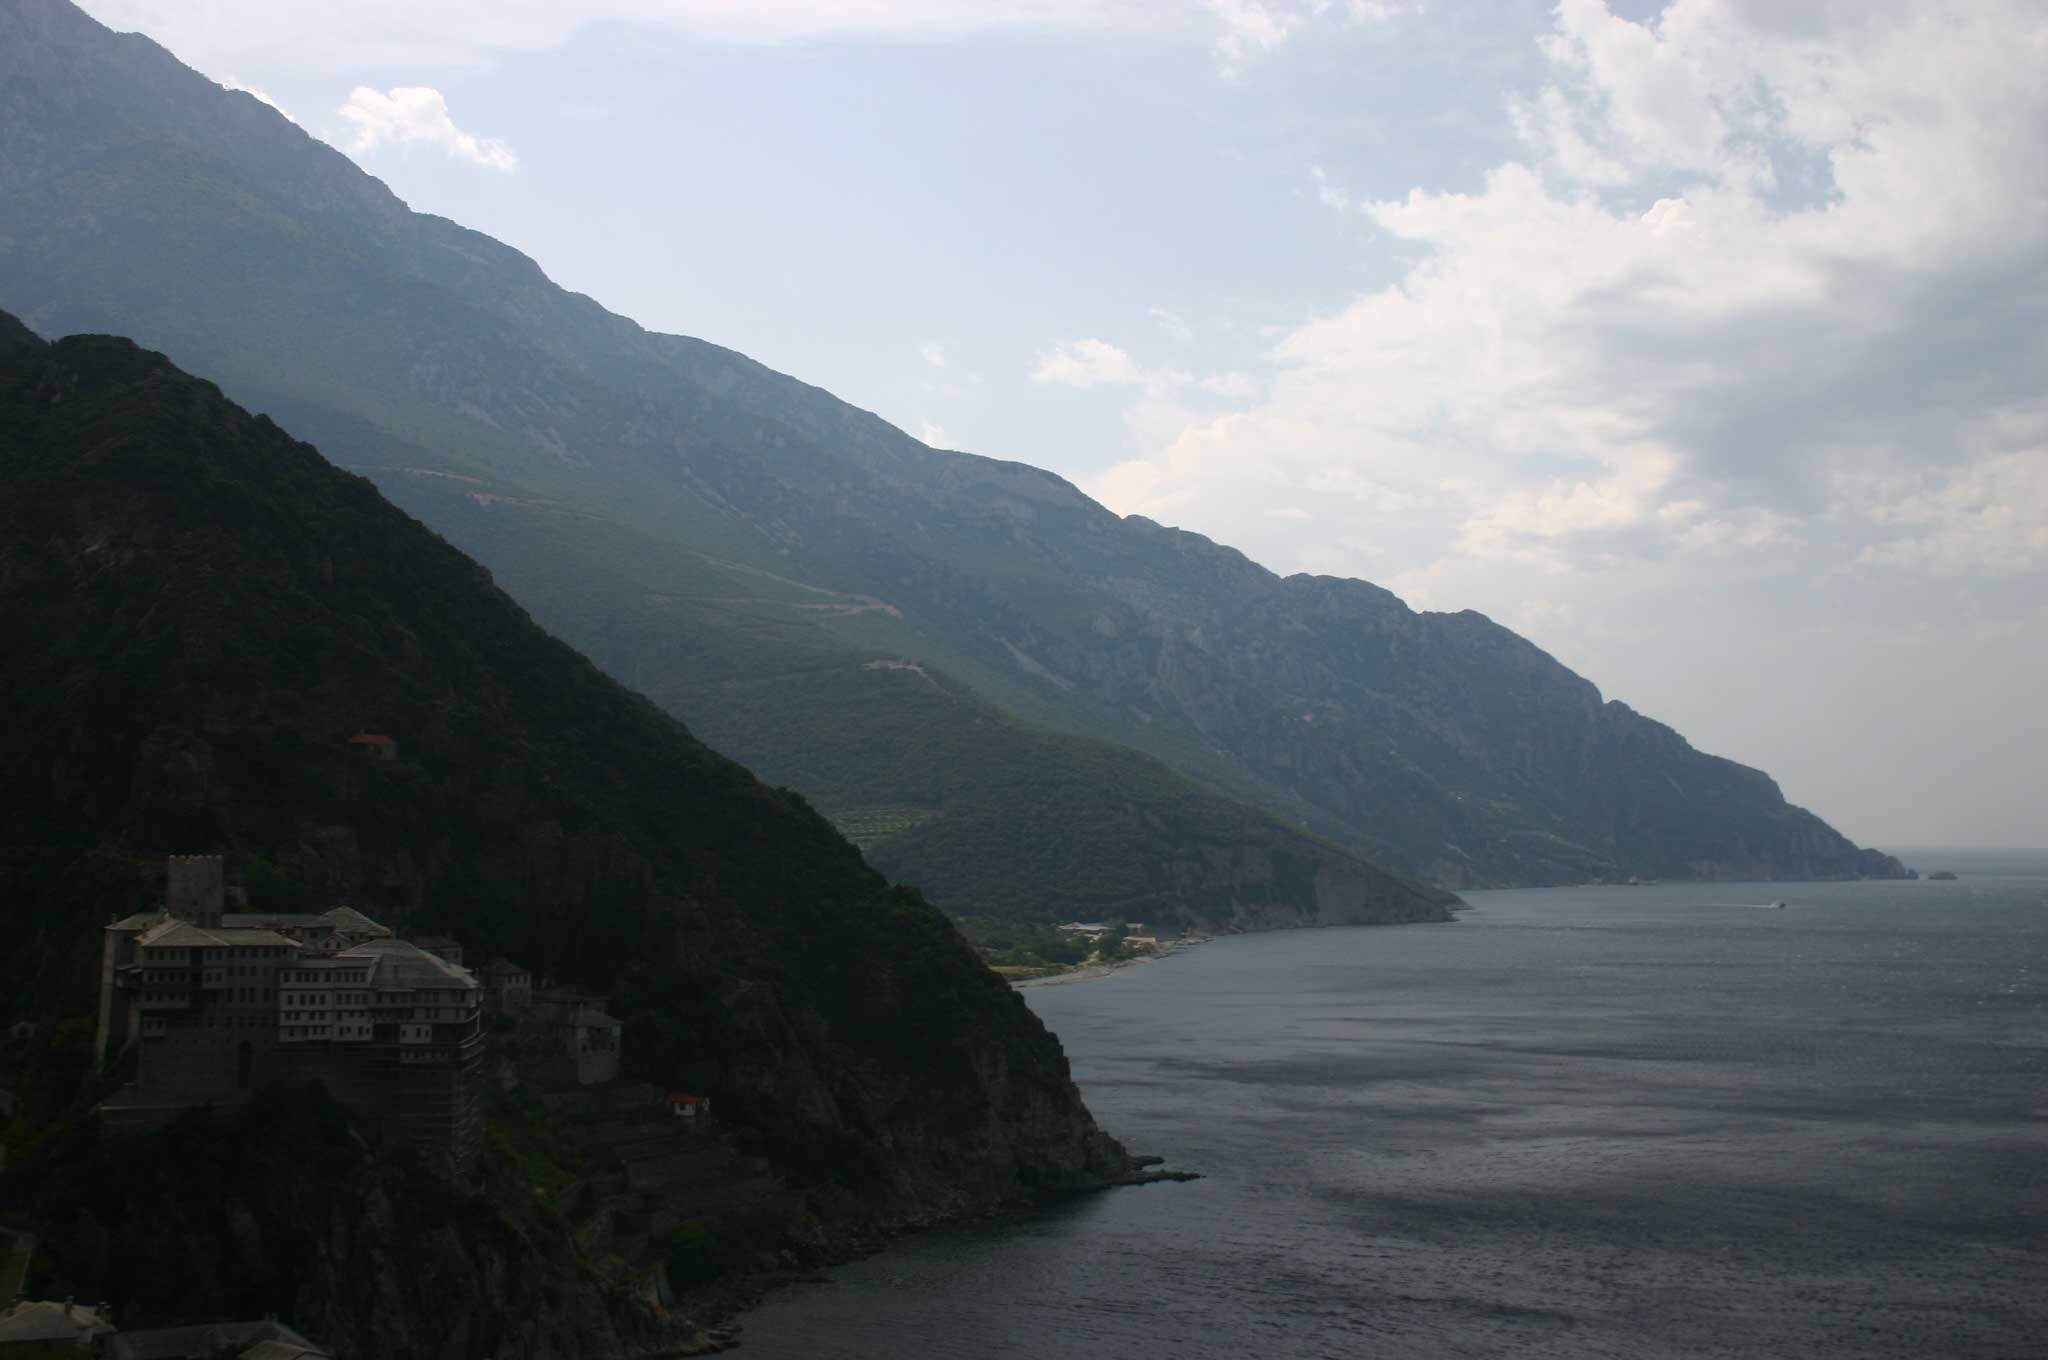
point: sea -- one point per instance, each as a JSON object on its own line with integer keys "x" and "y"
{"x": 1673, "y": 1120}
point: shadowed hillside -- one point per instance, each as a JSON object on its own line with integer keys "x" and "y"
{"x": 215, "y": 611}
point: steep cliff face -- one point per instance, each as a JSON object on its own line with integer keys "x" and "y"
{"x": 1445, "y": 743}
{"x": 1474, "y": 755}
{"x": 575, "y": 453}
{"x": 217, "y": 611}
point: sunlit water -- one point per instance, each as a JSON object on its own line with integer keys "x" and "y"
{"x": 1632, "y": 1122}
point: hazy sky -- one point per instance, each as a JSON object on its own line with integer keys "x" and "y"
{"x": 1705, "y": 344}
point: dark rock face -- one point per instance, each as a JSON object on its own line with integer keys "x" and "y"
{"x": 595, "y": 467}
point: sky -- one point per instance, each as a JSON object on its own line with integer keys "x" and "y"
{"x": 1704, "y": 343}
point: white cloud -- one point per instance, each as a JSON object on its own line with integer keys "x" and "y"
{"x": 1988, "y": 519}
{"x": 1250, "y": 29}
{"x": 1259, "y": 28}
{"x": 259, "y": 96}
{"x": 933, "y": 353}
{"x": 1327, "y": 193}
{"x": 1729, "y": 374}
{"x": 1550, "y": 126}
{"x": 1667, "y": 215}
{"x": 1740, "y": 254}
{"x": 933, "y": 434}
{"x": 1086, "y": 363}
{"x": 416, "y": 114}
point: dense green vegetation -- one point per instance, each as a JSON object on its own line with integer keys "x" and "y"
{"x": 1006, "y": 820}
{"x": 704, "y": 1247}
{"x": 993, "y": 817}
{"x": 279, "y": 1205}
{"x": 1010, "y": 944}
{"x": 526, "y": 1143}
{"x": 217, "y": 610}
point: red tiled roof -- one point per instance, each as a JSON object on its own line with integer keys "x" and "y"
{"x": 371, "y": 739}
{"x": 678, "y": 1099}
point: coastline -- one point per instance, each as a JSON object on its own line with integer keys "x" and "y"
{"x": 1086, "y": 971}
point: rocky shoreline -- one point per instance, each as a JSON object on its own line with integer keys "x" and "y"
{"x": 719, "y": 1307}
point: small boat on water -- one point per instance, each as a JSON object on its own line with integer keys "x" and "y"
{"x": 1780, "y": 906}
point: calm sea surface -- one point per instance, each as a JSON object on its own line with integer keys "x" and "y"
{"x": 1632, "y": 1122}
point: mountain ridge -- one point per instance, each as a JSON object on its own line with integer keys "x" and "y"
{"x": 1437, "y": 743}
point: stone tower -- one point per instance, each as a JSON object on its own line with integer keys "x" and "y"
{"x": 197, "y": 890}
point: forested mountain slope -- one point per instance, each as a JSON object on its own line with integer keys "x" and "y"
{"x": 215, "y": 610}
{"x": 542, "y": 432}
{"x": 998, "y": 819}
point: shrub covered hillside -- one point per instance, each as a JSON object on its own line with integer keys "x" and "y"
{"x": 995, "y": 818}
{"x": 203, "y": 611}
